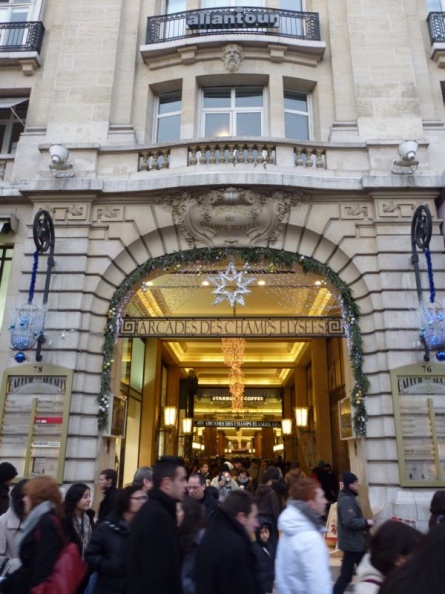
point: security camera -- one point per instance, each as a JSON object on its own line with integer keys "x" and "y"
{"x": 59, "y": 165}
{"x": 59, "y": 155}
{"x": 408, "y": 162}
{"x": 408, "y": 150}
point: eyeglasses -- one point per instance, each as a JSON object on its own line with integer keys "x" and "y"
{"x": 141, "y": 498}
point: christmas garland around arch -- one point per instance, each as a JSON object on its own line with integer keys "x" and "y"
{"x": 350, "y": 312}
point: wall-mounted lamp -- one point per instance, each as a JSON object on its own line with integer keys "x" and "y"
{"x": 286, "y": 425}
{"x": 301, "y": 416}
{"x": 170, "y": 416}
{"x": 59, "y": 165}
{"x": 278, "y": 448}
{"x": 8, "y": 223}
{"x": 408, "y": 153}
{"x": 196, "y": 445}
{"x": 187, "y": 426}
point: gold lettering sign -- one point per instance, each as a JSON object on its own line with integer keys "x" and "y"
{"x": 258, "y": 327}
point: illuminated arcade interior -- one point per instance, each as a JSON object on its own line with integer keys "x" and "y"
{"x": 196, "y": 290}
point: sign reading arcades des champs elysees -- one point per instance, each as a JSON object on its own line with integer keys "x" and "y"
{"x": 231, "y": 19}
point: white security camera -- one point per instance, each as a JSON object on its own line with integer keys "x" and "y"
{"x": 408, "y": 153}
{"x": 408, "y": 150}
{"x": 59, "y": 165}
{"x": 59, "y": 155}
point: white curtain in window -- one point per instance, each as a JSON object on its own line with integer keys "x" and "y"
{"x": 173, "y": 6}
{"x": 435, "y": 5}
{"x": 231, "y": 3}
{"x": 292, "y": 5}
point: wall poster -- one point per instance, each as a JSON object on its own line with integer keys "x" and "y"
{"x": 34, "y": 413}
{"x": 419, "y": 413}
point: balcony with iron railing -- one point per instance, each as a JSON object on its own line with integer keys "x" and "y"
{"x": 436, "y": 28}
{"x": 243, "y": 24}
{"x": 20, "y": 44}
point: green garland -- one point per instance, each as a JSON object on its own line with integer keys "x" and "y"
{"x": 351, "y": 313}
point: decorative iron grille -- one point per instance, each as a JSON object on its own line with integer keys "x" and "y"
{"x": 436, "y": 26}
{"x": 245, "y": 21}
{"x": 21, "y": 37}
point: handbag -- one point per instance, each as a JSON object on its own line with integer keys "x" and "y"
{"x": 68, "y": 571}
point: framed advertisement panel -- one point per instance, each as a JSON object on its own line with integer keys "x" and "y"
{"x": 419, "y": 414}
{"x": 345, "y": 418}
{"x": 34, "y": 412}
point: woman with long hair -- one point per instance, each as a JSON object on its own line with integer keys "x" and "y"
{"x": 437, "y": 509}
{"x": 107, "y": 552}
{"x": 78, "y": 519}
{"x": 391, "y": 545}
{"x": 424, "y": 571}
{"x": 42, "y": 537}
{"x": 10, "y": 524}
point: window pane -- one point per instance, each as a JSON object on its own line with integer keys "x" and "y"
{"x": 217, "y": 98}
{"x": 297, "y": 126}
{"x": 248, "y": 124}
{"x": 3, "y": 149}
{"x": 295, "y": 101}
{"x": 17, "y": 129}
{"x": 169, "y": 103}
{"x": 217, "y": 124}
{"x": 169, "y": 128}
{"x": 175, "y": 6}
{"x": 291, "y": 5}
{"x": 249, "y": 97}
{"x": 434, "y": 5}
{"x": 4, "y": 287}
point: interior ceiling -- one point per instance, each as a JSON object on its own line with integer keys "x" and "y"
{"x": 275, "y": 291}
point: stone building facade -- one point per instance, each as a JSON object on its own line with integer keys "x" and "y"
{"x": 304, "y": 110}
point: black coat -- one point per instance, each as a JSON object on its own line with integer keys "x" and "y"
{"x": 106, "y": 506}
{"x": 4, "y": 499}
{"x": 38, "y": 553}
{"x": 225, "y": 562}
{"x": 154, "y": 557}
{"x": 265, "y": 560}
{"x": 209, "y": 503}
{"x": 106, "y": 554}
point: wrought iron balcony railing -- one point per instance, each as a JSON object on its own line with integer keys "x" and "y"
{"x": 21, "y": 37}
{"x": 243, "y": 21}
{"x": 436, "y": 26}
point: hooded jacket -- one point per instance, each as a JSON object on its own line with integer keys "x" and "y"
{"x": 302, "y": 563}
{"x": 369, "y": 579}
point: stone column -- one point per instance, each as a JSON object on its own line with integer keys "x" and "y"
{"x": 210, "y": 441}
{"x": 172, "y": 399}
{"x": 150, "y": 402}
{"x": 320, "y": 391}
{"x": 267, "y": 443}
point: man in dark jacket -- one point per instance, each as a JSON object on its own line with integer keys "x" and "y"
{"x": 352, "y": 527}
{"x": 225, "y": 561}
{"x": 107, "y": 484}
{"x": 154, "y": 558}
{"x": 197, "y": 489}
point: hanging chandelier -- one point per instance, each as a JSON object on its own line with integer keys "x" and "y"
{"x": 233, "y": 351}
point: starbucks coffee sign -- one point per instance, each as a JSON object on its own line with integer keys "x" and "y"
{"x": 234, "y": 19}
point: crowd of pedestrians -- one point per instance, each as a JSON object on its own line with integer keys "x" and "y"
{"x": 238, "y": 527}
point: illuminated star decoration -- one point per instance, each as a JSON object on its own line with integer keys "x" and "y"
{"x": 230, "y": 285}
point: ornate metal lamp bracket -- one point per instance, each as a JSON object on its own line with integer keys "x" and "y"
{"x": 421, "y": 230}
{"x": 44, "y": 240}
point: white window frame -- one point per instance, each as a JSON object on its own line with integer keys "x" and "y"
{"x": 307, "y": 113}
{"x": 159, "y": 116}
{"x": 431, "y": 5}
{"x": 231, "y": 3}
{"x": 233, "y": 110}
{"x": 9, "y": 122}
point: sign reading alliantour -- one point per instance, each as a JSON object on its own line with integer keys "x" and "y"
{"x": 246, "y": 424}
{"x": 231, "y": 19}
{"x": 278, "y": 327}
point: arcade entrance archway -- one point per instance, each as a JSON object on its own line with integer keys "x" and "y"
{"x": 289, "y": 311}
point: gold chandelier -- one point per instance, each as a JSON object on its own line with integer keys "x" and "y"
{"x": 233, "y": 352}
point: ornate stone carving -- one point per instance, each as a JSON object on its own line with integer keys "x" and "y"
{"x": 357, "y": 211}
{"x": 109, "y": 213}
{"x": 240, "y": 217}
{"x": 64, "y": 212}
{"x": 232, "y": 57}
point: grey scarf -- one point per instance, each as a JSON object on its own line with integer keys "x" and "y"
{"x": 316, "y": 520}
{"x": 32, "y": 520}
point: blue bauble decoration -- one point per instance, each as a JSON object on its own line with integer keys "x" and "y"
{"x": 20, "y": 357}
{"x": 440, "y": 356}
